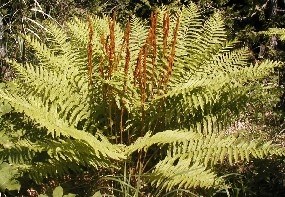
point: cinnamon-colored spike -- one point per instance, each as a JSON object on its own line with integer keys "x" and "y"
{"x": 143, "y": 74}
{"x": 165, "y": 31}
{"x": 140, "y": 71}
{"x": 111, "y": 48}
{"x": 172, "y": 53}
{"x": 137, "y": 71}
{"x": 149, "y": 48}
{"x": 153, "y": 41}
{"x": 103, "y": 43}
{"x": 127, "y": 43}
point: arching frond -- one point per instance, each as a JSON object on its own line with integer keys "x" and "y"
{"x": 182, "y": 173}
{"x": 191, "y": 155}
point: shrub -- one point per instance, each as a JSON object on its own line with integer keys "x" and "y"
{"x": 157, "y": 99}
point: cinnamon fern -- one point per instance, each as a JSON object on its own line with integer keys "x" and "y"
{"x": 158, "y": 96}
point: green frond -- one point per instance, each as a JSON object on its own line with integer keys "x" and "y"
{"x": 203, "y": 43}
{"x": 181, "y": 173}
{"x": 201, "y": 95}
{"x": 47, "y": 116}
{"x": 58, "y": 39}
{"x": 191, "y": 155}
{"x": 69, "y": 151}
{"x": 161, "y": 138}
{"x": 280, "y": 32}
{"x": 52, "y": 60}
{"x": 8, "y": 174}
{"x": 214, "y": 148}
{"x": 138, "y": 37}
{"x": 42, "y": 51}
{"x": 214, "y": 30}
{"x": 208, "y": 149}
{"x": 72, "y": 105}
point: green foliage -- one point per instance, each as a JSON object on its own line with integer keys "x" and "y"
{"x": 97, "y": 94}
{"x": 277, "y": 31}
{"x": 8, "y": 173}
{"x": 58, "y": 192}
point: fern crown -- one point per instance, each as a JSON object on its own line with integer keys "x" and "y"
{"x": 96, "y": 93}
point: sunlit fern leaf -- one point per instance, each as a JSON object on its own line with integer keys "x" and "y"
{"x": 182, "y": 173}
{"x": 58, "y": 39}
{"x": 26, "y": 152}
{"x": 280, "y": 32}
{"x": 47, "y": 116}
{"x": 207, "y": 149}
{"x": 192, "y": 154}
{"x": 138, "y": 37}
{"x": 214, "y": 148}
{"x": 48, "y": 84}
{"x": 199, "y": 45}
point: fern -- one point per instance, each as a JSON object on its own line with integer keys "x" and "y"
{"x": 191, "y": 149}
{"x": 280, "y": 32}
{"x": 98, "y": 93}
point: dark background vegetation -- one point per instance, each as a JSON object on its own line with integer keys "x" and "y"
{"x": 245, "y": 19}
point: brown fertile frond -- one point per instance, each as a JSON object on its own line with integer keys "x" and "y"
{"x": 149, "y": 48}
{"x": 89, "y": 49}
{"x": 127, "y": 44}
{"x": 137, "y": 70}
{"x": 143, "y": 74}
{"x": 152, "y": 37}
{"x": 153, "y": 43}
{"x": 140, "y": 76}
{"x": 111, "y": 46}
{"x": 139, "y": 73}
{"x": 103, "y": 42}
{"x": 172, "y": 53}
{"x": 166, "y": 24}
{"x": 126, "y": 70}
